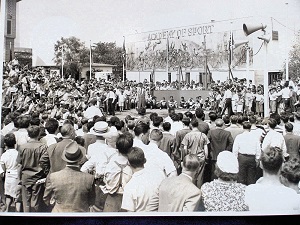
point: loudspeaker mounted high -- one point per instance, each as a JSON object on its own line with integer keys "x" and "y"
{"x": 239, "y": 43}
{"x": 250, "y": 28}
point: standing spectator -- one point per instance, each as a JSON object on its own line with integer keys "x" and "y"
{"x": 158, "y": 160}
{"x": 70, "y": 189}
{"x": 55, "y": 151}
{"x": 219, "y": 140}
{"x": 117, "y": 174}
{"x": 274, "y": 138}
{"x": 292, "y": 142}
{"x": 11, "y": 168}
{"x": 168, "y": 141}
{"x": 51, "y": 127}
{"x": 248, "y": 154}
{"x": 224, "y": 193}
{"x": 202, "y": 126}
{"x": 34, "y": 162}
{"x": 21, "y": 134}
{"x": 178, "y": 194}
{"x": 143, "y": 184}
{"x": 268, "y": 194}
{"x": 234, "y": 129}
{"x": 195, "y": 142}
{"x": 141, "y": 135}
{"x": 296, "y": 124}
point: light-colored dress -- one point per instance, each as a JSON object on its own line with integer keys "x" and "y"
{"x": 9, "y": 160}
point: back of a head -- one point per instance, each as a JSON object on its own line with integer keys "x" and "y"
{"x": 23, "y": 121}
{"x": 246, "y": 125}
{"x": 252, "y": 119}
{"x": 136, "y": 157}
{"x": 189, "y": 114}
{"x": 212, "y": 116}
{"x": 291, "y": 170}
{"x": 66, "y": 130}
{"x": 233, "y": 119}
{"x": 166, "y": 126}
{"x": 10, "y": 140}
{"x": 219, "y": 122}
{"x": 276, "y": 116}
{"x": 51, "y": 125}
{"x": 289, "y": 127}
{"x": 272, "y": 123}
{"x": 194, "y": 123}
{"x": 272, "y": 159}
{"x": 226, "y": 119}
{"x": 199, "y": 113}
{"x": 124, "y": 143}
{"x": 141, "y": 128}
{"x": 191, "y": 162}
{"x": 186, "y": 121}
{"x": 157, "y": 120}
{"x": 156, "y": 135}
{"x": 152, "y": 115}
{"x": 33, "y": 131}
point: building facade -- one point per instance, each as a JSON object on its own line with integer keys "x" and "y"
{"x": 206, "y": 52}
{"x": 10, "y": 29}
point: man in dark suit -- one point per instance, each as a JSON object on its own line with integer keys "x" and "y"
{"x": 55, "y": 151}
{"x": 70, "y": 190}
{"x": 178, "y": 193}
{"x": 220, "y": 140}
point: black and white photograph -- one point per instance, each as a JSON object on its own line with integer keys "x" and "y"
{"x": 144, "y": 108}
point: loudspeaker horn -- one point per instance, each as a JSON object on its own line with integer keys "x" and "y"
{"x": 250, "y": 28}
{"x": 239, "y": 43}
{"x": 265, "y": 38}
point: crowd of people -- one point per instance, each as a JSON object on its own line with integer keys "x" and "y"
{"x": 63, "y": 149}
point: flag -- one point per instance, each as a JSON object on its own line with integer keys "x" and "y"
{"x": 124, "y": 48}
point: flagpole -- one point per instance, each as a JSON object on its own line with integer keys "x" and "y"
{"x": 167, "y": 57}
{"x": 62, "y": 61}
{"x": 124, "y": 60}
{"x": 90, "y": 60}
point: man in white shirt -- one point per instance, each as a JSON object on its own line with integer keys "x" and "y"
{"x": 143, "y": 184}
{"x": 274, "y": 138}
{"x": 92, "y": 110}
{"x": 227, "y": 97}
{"x": 248, "y": 154}
{"x": 51, "y": 127}
{"x": 156, "y": 158}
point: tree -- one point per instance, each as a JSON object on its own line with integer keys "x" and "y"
{"x": 109, "y": 53}
{"x": 75, "y": 54}
{"x": 294, "y": 59}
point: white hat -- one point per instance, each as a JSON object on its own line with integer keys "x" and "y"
{"x": 227, "y": 162}
{"x": 100, "y": 128}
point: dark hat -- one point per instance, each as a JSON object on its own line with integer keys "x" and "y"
{"x": 72, "y": 153}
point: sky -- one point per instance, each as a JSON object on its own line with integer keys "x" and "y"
{"x": 41, "y": 23}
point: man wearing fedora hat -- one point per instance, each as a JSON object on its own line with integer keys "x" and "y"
{"x": 70, "y": 190}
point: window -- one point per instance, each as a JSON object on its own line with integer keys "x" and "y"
{"x": 8, "y": 27}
